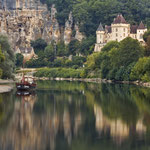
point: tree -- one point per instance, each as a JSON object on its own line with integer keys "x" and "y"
{"x": 49, "y": 53}
{"x": 146, "y": 35}
{"x": 8, "y": 65}
{"x": 147, "y": 47}
{"x": 73, "y": 47}
{"x": 19, "y": 60}
{"x": 129, "y": 51}
{"x": 141, "y": 71}
{"x": 61, "y": 49}
{"x": 110, "y": 45}
{"x": 2, "y": 58}
{"x": 38, "y": 46}
{"x": 86, "y": 47}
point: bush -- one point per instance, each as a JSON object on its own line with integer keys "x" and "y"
{"x": 141, "y": 70}
{"x": 58, "y": 72}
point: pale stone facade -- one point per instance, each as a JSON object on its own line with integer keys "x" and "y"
{"x": 118, "y": 31}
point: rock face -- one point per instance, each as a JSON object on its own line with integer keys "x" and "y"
{"x": 26, "y": 20}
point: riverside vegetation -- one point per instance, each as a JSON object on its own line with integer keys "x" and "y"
{"x": 127, "y": 60}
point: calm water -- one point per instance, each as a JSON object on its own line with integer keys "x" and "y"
{"x": 76, "y": 116}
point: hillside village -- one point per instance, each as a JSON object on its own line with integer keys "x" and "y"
{"x": 119, "y": 30}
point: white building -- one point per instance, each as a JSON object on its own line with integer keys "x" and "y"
{"x": 118, "y": 31}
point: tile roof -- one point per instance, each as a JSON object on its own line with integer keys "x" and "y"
{"x": 133, "y": 29}
{"x": 108, "y": 29}
{"x": 100, "y": 28}
{"x": 119, "y": 19}
{"x": 141, "y": 26}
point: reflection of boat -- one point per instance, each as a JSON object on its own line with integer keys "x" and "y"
{"x": 26, "y": 95}
{"x": 27, "y": 83}
{"x": 25, "y": 92}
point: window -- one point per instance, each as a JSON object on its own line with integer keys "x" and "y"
{"x": 124, "y": 30}
{"x": 116, "y": 35}
{"x": 116, "y": 30}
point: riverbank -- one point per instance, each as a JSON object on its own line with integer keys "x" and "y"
{"x": 6, "y": 85}
{"x": 96, "y": 80}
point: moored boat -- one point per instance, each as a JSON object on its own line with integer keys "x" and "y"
{"x": 27, "y": 83}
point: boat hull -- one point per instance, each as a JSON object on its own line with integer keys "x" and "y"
{"x": 25, "y": 87}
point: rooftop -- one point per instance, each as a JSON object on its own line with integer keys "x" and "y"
{"x": 133, "y": 29}
{"x": 100, "y": 28}
{"x": 119, "y": 19}
{"x": 141, "y": 26}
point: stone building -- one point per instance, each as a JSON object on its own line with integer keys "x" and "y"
{"x": 118, "y": 31}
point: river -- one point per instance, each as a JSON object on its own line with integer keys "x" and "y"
{"x": 63, "y": 115}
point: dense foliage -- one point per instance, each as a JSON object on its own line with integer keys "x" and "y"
{"x": 58, "y": 72}
{"x": 88, "y": 13}
{"x": 116, "y": 60}
{"x": 8, "y": 65}
{"x": 19, "y": 60}
{"x": 56, "y": 55}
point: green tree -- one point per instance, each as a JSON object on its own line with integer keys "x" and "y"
{"x": 141, "y": 71}
{"x": 73, "y": 47}
{"x": 49, "y": 53}
{"x": 147, "y": 47}
{"x": 146, "y": 35}
{"x": 19, "y": 60}
{"x": 38, "y": 46}
{"x": 129, "y": 51}
{"x": 61, "y": 49}
{"x": 8, "y": 65}
{"x": 110, "y": 45}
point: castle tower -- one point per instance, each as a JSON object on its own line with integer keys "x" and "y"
{"x": 120, "y": 29}
{"x": 100, "y": 33}
{"x": 140, "y": 32}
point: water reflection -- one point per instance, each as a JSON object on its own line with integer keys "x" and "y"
{"x": 71, "y": 116}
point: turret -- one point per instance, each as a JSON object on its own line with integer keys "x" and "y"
{"x": 100, "y": 34}
{"x": 140, "y": 32}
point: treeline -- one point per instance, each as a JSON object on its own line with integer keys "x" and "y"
{"x": 89, "y": 13}
{"x": 59, "y": 72}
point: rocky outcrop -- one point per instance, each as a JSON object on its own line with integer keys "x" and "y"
{"x": 26, "y": 20}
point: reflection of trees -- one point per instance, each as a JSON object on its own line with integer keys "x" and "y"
{"x": 141, "y": 96}
{"x": 117, "y": 113}
{"x": 6, "y": 108}
{"x": 78, "y": 116}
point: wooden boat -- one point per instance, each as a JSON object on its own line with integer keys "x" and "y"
{"x": 27, "y": 83}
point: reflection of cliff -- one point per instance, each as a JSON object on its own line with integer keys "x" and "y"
{"x": 117, "y": 128}
{"x": 29, "y": 131}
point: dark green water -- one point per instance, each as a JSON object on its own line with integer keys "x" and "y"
{"x": 76, "y": 116}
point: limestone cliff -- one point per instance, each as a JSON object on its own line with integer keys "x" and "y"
{"x": 26, "y": 20}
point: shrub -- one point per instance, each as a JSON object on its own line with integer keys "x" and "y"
{"x": 58, "y": 72}
{"x": 141, "y": 70}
